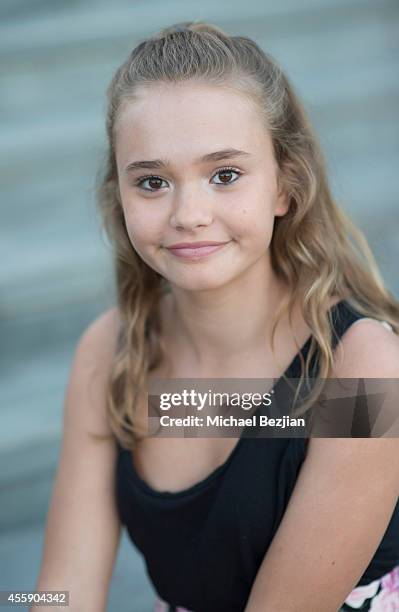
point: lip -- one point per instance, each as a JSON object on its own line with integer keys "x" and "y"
{"x": 194, "y": 245}
{"x": 195, "y": 250}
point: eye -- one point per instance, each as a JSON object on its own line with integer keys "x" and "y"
{"x": 155, "y": 180}
{"x": 226, "y": 172}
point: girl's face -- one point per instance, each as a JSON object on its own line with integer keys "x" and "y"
{"x": 184, "y": 190}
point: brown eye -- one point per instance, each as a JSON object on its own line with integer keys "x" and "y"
{"x": 154, "y": 182}
{"x": 225, "y": 174}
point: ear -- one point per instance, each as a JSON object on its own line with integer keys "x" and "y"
{"x": 283, "y": 197}
{"x": 282, "y": 203}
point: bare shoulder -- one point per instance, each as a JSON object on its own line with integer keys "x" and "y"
{"x": 367, "y": 349}
{"x": 90, "y": 371}
{"x": 101, "y": 334}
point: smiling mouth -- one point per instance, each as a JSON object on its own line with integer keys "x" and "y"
{"x": 194, "y": 253}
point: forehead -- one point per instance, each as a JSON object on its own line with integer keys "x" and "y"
{"x": 188, "y": 119}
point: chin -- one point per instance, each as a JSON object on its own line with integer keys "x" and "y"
{"x": 200, "y": 282}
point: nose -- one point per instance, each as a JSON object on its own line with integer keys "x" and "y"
{"x": 191, "y": 209}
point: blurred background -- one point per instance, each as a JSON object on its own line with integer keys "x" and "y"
{"x": 57, "y": 58}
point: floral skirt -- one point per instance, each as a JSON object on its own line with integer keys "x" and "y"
{"x": 381, "y": 595}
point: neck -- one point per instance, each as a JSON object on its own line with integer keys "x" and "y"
{"x": 226, "y": 325}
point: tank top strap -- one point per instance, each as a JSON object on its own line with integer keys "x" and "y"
{"x": 342, "y": 316}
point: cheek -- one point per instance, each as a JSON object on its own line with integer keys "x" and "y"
{"x": 135, "y": 225}
{"x": 144, "y": 228}
{"x": 252, "y": 221}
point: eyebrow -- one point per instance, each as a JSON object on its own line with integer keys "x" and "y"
{"x": 163, "y": 163}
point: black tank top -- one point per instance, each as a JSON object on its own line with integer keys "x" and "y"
{"x": 203, "y": 545}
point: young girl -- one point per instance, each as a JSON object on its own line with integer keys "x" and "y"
{"x": 232, "y": 261}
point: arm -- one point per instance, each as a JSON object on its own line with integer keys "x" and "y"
{"x": 342, "y": 503}
{"x": 83, "y": 528}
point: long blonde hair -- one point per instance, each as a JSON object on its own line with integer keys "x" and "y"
{"x": 315, "y": 248}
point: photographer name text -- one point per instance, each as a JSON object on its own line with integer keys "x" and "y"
{"x": 230, "y": 421}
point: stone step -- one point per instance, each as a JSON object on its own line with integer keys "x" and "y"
{"x": 74, "y": 24}
{"x": 20, "y": 556}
